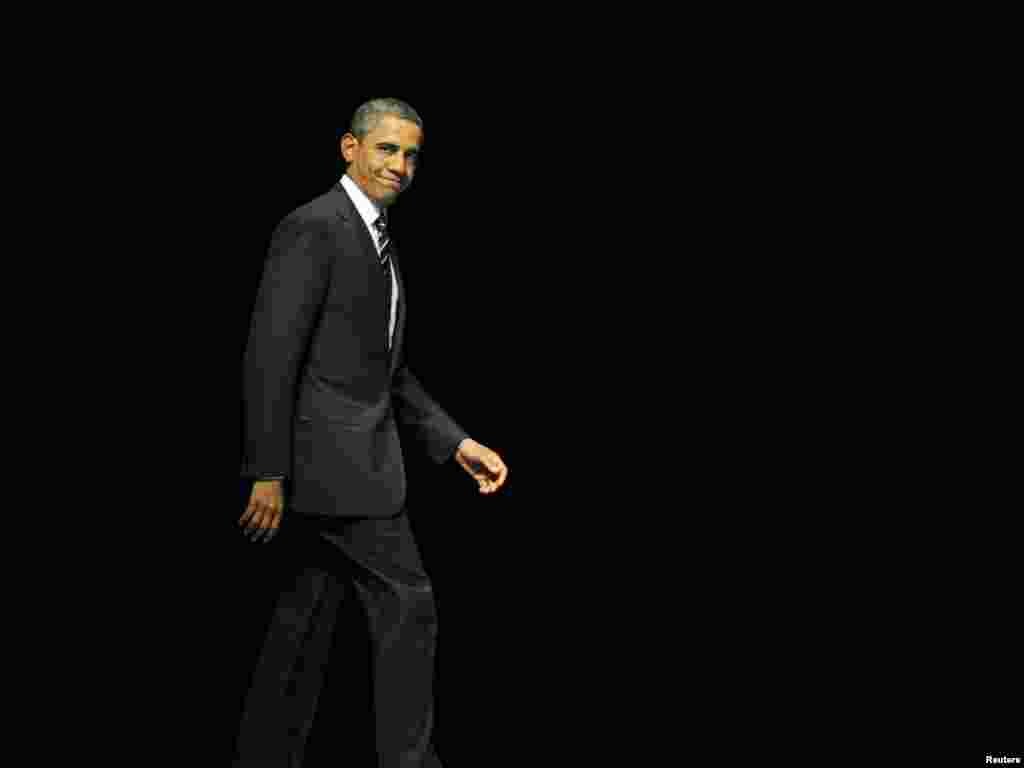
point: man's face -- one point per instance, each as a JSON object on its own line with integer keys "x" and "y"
{"x": 384, "y": 162}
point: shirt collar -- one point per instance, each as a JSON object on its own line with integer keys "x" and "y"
{"x": 368, "y": 210}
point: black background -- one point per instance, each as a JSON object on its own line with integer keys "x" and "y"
{"x": 514, "y": 327}
{"x": 670, "y": 342}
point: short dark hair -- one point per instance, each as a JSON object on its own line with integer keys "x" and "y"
{"x": 368, "y": 114}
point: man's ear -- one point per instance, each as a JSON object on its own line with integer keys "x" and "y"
{"x": 348, "y": 145}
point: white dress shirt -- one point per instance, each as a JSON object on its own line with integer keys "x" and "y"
{"x": 370, "y": 211}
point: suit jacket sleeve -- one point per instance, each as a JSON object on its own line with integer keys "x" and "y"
{"x": 434, "y": 429}
{"x": 287, "y": 307}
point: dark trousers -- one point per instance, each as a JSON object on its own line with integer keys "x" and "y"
{"x": 329, "y": 560}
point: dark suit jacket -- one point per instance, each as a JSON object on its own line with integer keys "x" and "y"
{"x": 323, "y": 394}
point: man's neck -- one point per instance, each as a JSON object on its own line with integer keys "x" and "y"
{"x": 365, "y": 201}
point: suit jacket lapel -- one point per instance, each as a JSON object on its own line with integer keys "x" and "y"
{"x": 400, "y": 317}
{"x": 347, "y": 210}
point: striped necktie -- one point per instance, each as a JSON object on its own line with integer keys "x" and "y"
{"x": 381, "y": 225}
{"x": 384, "y": 258}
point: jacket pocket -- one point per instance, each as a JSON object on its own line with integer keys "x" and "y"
{"x": 321, "y": 403}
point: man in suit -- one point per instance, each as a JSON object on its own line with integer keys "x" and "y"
{"x": 325, "y": 386}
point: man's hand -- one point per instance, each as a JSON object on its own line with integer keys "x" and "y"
{"x": 483, "y": 465}
{"x": 262, "y": 517}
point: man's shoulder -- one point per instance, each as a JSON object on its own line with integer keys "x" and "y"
{"x": 319, "y": 212}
